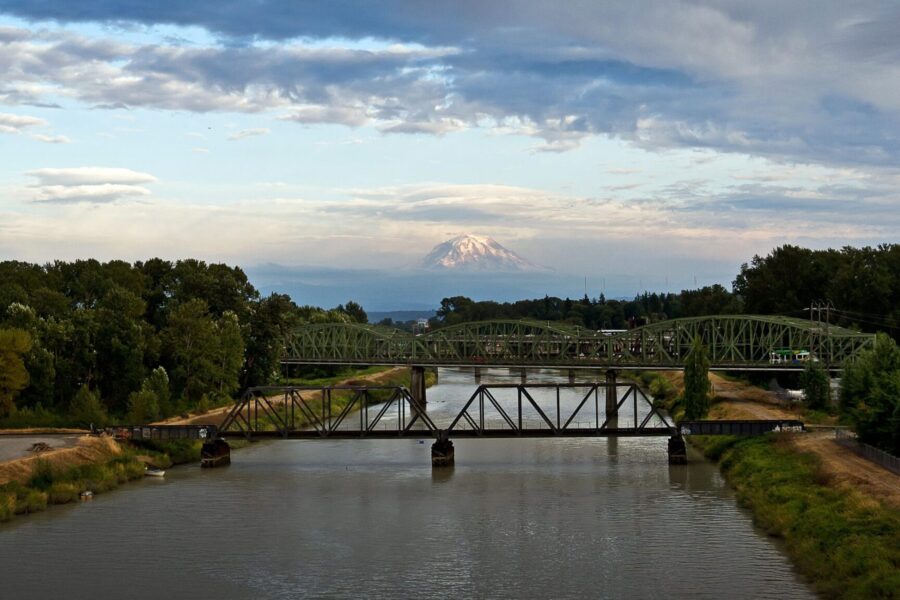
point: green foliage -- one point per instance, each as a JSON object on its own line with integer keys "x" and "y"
{"x": 847, "y": 547}
{"x": 86, "y": 409}
{"x": 354, "y": 311}
{"x": 870, "y": 395}
{"x": 270, "y": 322}
{"x": 860, "y": 282}
{"x": 816, "y": 386}
{"x": 696, "y": 381}
{"x": 108, "y": 325}
{"x": 143, "y": 407}
{"x": 14, "y": 344}
{"x": 157, "y": 383}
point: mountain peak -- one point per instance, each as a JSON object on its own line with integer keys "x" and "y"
{"x": 470, "y": 252}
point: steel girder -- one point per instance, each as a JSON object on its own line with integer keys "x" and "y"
{"x": 734, "y": 341}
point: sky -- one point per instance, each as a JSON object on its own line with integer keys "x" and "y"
{"x": 657, "y": 144}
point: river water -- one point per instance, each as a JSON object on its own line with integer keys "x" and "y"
{"x": 520, "y": 518}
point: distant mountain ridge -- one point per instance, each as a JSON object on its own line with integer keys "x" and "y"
{"x": 476, "y": 253}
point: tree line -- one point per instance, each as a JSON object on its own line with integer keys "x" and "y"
{"x": 860, "y": 287}
{"x": 93, "y": 341}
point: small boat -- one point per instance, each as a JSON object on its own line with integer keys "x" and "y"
{"x": 154, "y": 472}
{"x": 86, "y": 495}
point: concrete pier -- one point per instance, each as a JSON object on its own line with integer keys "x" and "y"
{"x": 417, "y": 385}
{"x": 612, "y": 399}
{"x": 442, "y": 453}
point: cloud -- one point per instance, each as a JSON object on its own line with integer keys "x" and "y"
{"x": 10, "y": 123}
{"x": 799, "y": 81}
{"x": 88, "y": 184}
{"x": 51, "y": 139}
{"x": 245, "y": 133}
{"x": 89, "y": 176}
{"x": 343, "y": 115}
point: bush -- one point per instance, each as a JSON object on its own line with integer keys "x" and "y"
{"x": 30, "y": 501}
{"x": 62, "y": 493}
{"x": 7, "y": 506}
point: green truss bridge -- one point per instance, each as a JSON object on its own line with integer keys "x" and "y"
{"x": 735, "y": 342}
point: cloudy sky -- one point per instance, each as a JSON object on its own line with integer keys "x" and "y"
{"x": 669, "y": 140}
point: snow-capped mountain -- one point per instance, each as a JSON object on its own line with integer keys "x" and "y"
{"x": 475, "y": 253}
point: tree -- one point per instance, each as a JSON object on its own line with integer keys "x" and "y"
{"x": 816, "y": 386}
{"x": 229, "y": 354}
{"x": 143, "y": 407}
{"x": 158, "y": 384}
{"x": 355, "y": 312}
{"x": 696, "y": 381}
{"x": 87, "y": 409}
{"x": 14, "y": 345}
{"x": 191, "y": 347}
{"x": 870, "y": 394}
{"x": 270, "y": 323}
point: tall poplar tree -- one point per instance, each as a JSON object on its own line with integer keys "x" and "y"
{"x": 696, "y": 381}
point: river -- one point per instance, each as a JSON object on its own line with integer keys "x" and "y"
{"x": 516, "y": 518}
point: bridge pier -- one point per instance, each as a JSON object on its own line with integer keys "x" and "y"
{"x": 477, "y": 374}
{"x": 442, "y": 453}
{"x": 612, "y": 399}
{"x": 677, "y": 451}
{"x": 523, "y": 373}
{"x": 571, "y": 376}
{"x": 417, "y": 385}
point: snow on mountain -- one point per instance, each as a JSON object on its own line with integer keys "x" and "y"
{"x": 475, "y": 253}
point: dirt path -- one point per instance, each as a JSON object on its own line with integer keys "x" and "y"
{"x": 217, "y": 415}
{"x": 81, "y": 450}
{"x": 842, "y": 467}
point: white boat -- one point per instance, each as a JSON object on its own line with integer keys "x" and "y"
{"x": 154, "y": 472}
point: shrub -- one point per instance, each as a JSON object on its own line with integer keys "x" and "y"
{"x": 62, "y": 493}
{"x": 30, "y": 501}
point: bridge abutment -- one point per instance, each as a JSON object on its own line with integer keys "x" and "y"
{"x": 442, "y": 452}
{"x": 612, "y": 400}
{"x": 215, "y": 453}
{"x": 677, "y": 451}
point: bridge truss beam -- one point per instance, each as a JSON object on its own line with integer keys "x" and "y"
{"x": 734, "y": 342}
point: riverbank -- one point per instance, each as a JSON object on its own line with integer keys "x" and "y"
{"x": 838, "y": 514}
{"x": 843, "y": 540}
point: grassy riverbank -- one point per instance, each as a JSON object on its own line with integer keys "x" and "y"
{"x": 58, "y": 481}
{"x": 845, "y": 543}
